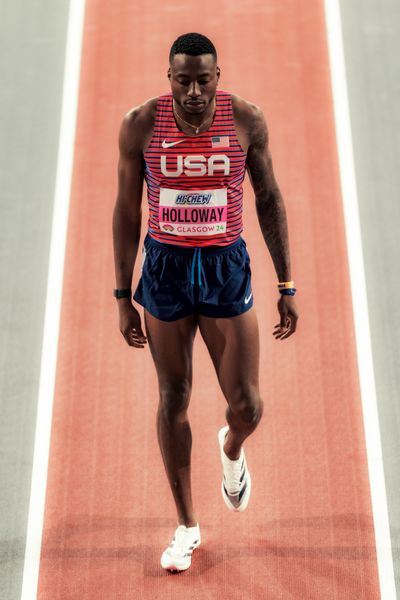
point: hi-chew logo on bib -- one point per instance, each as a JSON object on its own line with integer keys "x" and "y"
{"x": 193, "y": 212}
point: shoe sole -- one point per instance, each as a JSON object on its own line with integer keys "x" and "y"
{"x": 245, "y": 499}
{"x": 246, "y": 496}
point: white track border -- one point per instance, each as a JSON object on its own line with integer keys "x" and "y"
{"x": 53, "y": 299}
{"x": 359, "y": 298}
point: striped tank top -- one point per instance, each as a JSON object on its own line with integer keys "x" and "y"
{"x": 194, "y": 183}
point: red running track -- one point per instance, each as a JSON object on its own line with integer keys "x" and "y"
{"x": 308, "y": 530}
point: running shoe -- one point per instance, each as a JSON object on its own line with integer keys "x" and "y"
{"x": 178, "y": 555}
{"x": 236, "y": 482}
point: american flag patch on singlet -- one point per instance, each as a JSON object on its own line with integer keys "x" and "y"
{"x": 220, "y": 141}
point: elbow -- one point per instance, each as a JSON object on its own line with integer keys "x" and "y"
{"x": 127, "y": 214}
{"x": 265, "y": 199}
{"x": 125, "y": 225}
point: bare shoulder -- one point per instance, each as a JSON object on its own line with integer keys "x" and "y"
{"x": 137, "y": 126}
{"x": 250, "y": 119}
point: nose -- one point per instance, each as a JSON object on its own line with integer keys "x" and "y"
{"x": 194, "y": 90}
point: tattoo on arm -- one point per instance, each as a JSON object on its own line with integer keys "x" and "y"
{"x": 270, "y": 207}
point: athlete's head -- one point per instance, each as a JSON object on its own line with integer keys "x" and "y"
{"x": 193, "y": 71}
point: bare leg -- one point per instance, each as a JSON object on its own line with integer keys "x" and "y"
{"x": 233, "y": 344}
{"x": 171, "y": 345}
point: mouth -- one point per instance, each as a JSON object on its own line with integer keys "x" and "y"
{"x": 195, "y": 107}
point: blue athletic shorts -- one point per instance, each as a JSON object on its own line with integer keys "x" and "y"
{"x": 177, "y": 281}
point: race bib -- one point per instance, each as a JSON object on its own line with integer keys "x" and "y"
{"x": 193, "y": 212}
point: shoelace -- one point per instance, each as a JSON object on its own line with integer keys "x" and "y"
{"x": 232, "y": 471}
{"x": 180, "y": 542}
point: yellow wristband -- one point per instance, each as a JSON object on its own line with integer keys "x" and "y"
{"x": 285, "y": 284}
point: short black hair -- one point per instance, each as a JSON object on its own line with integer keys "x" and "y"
{"x": 193, "y": 44}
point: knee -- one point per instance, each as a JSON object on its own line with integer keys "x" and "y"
{"x": 174, "y": 399}
{"x": 248, "y": 406}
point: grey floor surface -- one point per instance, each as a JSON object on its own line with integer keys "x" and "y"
{"x": 32, "y": 50}
{"x": 371, "y": 32}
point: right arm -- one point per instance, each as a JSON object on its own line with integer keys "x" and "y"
{"x": 126, "y": 223}
{"x": 127, "y": 215}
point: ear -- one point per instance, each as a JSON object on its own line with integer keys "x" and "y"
{"x": 169, "y": 73}
{"x": 218, "y": 72}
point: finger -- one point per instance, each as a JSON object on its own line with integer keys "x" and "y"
{"x": 137, "y": 334}
{"x": 279, "y": 334}
{"x": 278, "y": 337}
{"x": 139, "y": 337}
{"x": 139, "y": 342}
{"x": 133, "y": 340}
{"x": 139, "y": 331}
{"x": 131, "y": 333}
{"x": 284, "y": 337}
{"x": 283, "y": 327}
{"x": 280, "y": 327}
{"x": 289, "y": 333}
{"x": 135, "y": 344}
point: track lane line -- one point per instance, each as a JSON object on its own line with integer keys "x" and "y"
{"x": 359, "y": 299}
{"x": 53, "y": 299}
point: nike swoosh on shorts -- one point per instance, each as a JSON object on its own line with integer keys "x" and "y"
{"x": 166, "y": 144}
{"x": 248, "y": 298}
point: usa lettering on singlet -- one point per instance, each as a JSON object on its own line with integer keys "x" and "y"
{"x": 195, "y": 183}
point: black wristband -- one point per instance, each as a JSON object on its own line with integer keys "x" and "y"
{"x": 126, "y": 293}
{"x": 288, "y": 291}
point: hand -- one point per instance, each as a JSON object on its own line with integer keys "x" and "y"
{"x": 287, "y": 310}
{"x": 130, "y": 325}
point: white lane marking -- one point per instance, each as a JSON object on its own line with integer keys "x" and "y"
{"x": 53, "y": 299}
{"x": 360, "y": 302}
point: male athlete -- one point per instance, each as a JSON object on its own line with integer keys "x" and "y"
{"x": 192, "y": 146}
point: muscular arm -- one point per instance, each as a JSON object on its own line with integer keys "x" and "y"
{"x": 127, "y": 214}
{"x": 269, "y": 202}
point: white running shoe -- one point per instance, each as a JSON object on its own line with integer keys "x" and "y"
{"x": 178, "y": 555}
{"x": 236, "y": 483}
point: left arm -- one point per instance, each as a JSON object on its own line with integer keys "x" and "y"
{"x": 271, "y": 214}
{"x": 270, "y": 208}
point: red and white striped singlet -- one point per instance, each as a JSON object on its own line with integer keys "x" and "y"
{"x": 194, "y": 184}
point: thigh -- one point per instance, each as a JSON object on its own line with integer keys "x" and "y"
{"x": 227, "y": 283}
{"x": 234, "y": 347}
{"x": 164, "y": 288}
{"x": 171, "y": 346}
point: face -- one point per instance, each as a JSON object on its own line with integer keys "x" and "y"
{"x": 194, "y": 81}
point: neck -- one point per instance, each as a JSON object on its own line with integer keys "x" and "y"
{"x": 195, "y": 120}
